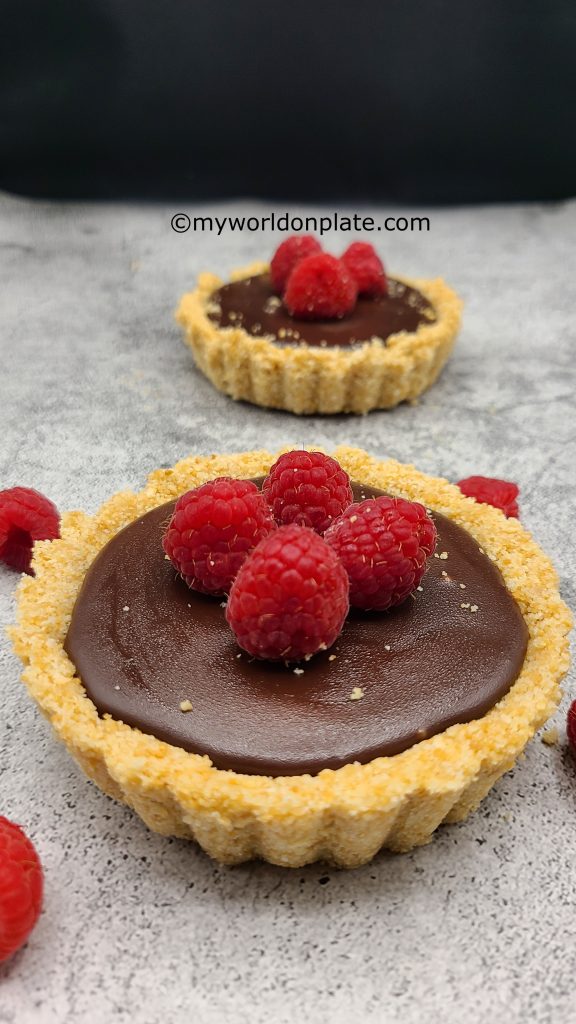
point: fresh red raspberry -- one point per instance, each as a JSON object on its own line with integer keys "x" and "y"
{"x": 571, "y": 726}
{"x": 21, "y": 885}
{"x": 290, "y": 598}
{"x": 212, "y": 530}
{"x": 307, "y": 488}
{"x": 320, "y": 288}
{"x": 25, "y": 517}
{"x": 366, "y": 268}
{"x": 489, "y": 491}
{"x": 287, "y": 255}
{"x": 383, "y": 544}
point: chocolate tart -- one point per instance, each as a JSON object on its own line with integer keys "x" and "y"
{"x": 270, "y": 763}
{"x": 389, "y": 350}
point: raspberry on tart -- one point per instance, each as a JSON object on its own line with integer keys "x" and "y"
{"x": 366, "y": 268}
{"x": 290, "y": 598}
{"x": 308, "y": 488}
{"x": 287, "y": 255}
{"x": 25, "y": 517}
{"x": 489, "y": 490}
{"x": 383, "y": 543}
{"x": 213, "y": 529}
{"x": 311, "y": 333}
{"x": 21, "y": 886}
{"x": 320, "y": 288}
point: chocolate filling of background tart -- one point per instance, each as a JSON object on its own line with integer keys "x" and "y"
{"x": 143, "y": 642}
{"x": 253, "y": 305}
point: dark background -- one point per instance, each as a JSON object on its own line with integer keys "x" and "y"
{"x": 395, "y": 101}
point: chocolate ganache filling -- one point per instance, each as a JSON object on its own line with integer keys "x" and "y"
{"x": 254, "y": 305}
{"x": 143, "y": 642}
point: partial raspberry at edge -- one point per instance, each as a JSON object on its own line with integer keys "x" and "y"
{"x": 489, "y": 490}
{"x": 213, "y": 529}
{"x": 290, "y": 598}
{"x": 571, "y": 727}
{"x": 287, "y": 255}
{"x": 320, "y": 288}
{"x": 383, "y": 543}
{"x": 307, "y": 488}
{"x": 25, "y": 517}
{"x": 21, "y": 886}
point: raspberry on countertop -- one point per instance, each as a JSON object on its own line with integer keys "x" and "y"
{"x": 489, "y": 490}
{"x": 25, "y": 517}
{"x": 21, "y": 887}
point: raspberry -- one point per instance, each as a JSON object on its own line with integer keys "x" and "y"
{"x": 25, "y": 517}
{"x": 488, "y": 490}
{"x": 287, "y": 255}
{"x": 383, "y": 544}
{"x": 21, "y": 885}
{"x": 212, "y": 530}
{"x": 366, "y": 268}
{"x": 290, "y": 598}
{"x": 320, "y": 288}
{"x": 307, "y": 488}
{"x": 571, "y": 726}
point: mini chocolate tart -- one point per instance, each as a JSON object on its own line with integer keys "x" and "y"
{"x": 389, "y": 349}
{"x": 143, "y": 643}
{"x": 272, "y": 764}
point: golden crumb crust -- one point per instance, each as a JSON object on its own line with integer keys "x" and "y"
{"x": 343, "y": 816}
{"x": 308, "y": 379}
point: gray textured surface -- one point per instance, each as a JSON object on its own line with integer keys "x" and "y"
{"x": 96, "y": 390}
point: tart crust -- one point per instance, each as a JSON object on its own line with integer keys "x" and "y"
{"x": 346, "y": 815}
{"x": 309, "y": 379}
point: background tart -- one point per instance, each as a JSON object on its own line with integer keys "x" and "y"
{"x": 346, "y": 814}
{"x": 359, "y": 372}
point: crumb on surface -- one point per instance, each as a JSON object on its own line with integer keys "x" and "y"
{"x": 298, "y": 671}
{"x": 185, "y": 705}
{"x": 550, "y": 736}
{"x": 443, "y": 555}
{"x": 332, "y": 657}
{"x": 126, "y": 608}
{"x": 357, "y": 693}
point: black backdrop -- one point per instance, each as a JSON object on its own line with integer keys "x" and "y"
{"x": 396, "y": 100}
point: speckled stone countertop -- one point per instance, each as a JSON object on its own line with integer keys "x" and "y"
{"x": 97, "y": 389}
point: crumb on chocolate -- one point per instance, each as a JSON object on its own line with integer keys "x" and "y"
{"x": 332, "y": 657}
{"x": 126, "y": 608}
{"x": 298, "y": 671}
{"x": 357, "y": 693}
{"x": 185, "y": 705}
{"x": 443, "y": 555}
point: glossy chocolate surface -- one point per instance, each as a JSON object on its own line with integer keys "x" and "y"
{"x": 253, "y": 305}
{"x": 142, "y": 643}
